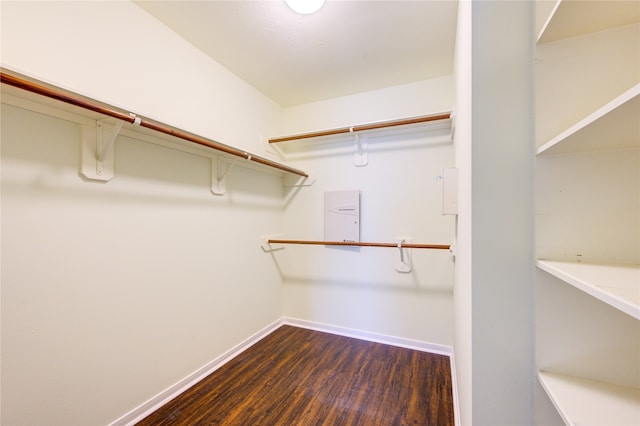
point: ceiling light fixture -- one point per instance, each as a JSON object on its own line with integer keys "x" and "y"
{"x": 305, "y": 7}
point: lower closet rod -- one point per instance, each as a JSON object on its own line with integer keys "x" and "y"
{"x": 362, "y": 244}
{"x": 76, "y": 100}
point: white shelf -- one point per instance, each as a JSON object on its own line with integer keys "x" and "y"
{"x": 619, "y": 117}
{"x": 616, "y": 285}
{"x": 588, "y": 402}
{"x": 575, "y": 18}
{"x": 153, "y": 132}
{"x": 587, "y": 138}
{"x": 341, "y": 140}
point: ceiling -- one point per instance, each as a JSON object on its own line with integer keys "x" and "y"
{"x": 347, "y": 47}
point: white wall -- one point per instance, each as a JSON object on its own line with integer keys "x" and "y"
{"x": 96, "y": 334}
{"x": 561, "y": 77}
{"x": 502, "y": 223}
{"x": 117, "y": 53}
{"x": 422, "y": 97}
{"x": 401, "y": 197}
{"x": 462, "y": 275}
{"x": 113, "y": 292}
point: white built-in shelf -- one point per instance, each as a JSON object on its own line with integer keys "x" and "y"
{"x": 438, "y": 125}
{"x": 588, "y": 130}
{"x": 619, "y": 117}
{"x": 589, "y": 402}
{"x": 570, "y": 18}
{"x": 23, "y": 92}
{"x": 616, "y": 285}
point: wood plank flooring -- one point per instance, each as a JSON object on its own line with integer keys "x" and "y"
{"x": 296, "y": 376}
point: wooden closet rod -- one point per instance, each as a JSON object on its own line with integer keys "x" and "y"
{"x": 362, "y": 127}
{"x": 362, "y": 244}
{"x": 76, "y": 100}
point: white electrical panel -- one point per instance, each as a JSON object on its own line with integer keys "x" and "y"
{"x": 342, "y": 216}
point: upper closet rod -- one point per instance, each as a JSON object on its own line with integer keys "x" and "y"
{"x": 362, "y": 244}
{"x": 76, "y": 100}
{"x": 362, "y": 127}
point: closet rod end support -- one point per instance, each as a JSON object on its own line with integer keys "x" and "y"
{"x": 266, "y": 246}
{"x": 405, "y": 265}
{"x": 300, "y": 181}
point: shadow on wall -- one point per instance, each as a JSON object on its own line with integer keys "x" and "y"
{"x": 367, "y": 268}
{"x": 334, "y": 146}
{"x": 369, "y": 285}
{"x": 43, "y": 158}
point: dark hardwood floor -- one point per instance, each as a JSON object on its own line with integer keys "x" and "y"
{"x": 296, "y": 376}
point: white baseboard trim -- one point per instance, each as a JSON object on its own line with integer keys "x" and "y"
{"x": 177, "y": 388}
{"x": 454, "y": 390}
{"x": 371, "y": 337}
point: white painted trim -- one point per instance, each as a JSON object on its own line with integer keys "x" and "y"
{"x": 148, "y": 407}
{"x": 177, "y": 388}
{"x": 454, "y": 390}
{"x": 372, "y": 337}
{"x": 548, "y": 20}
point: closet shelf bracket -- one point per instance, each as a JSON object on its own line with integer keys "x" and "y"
{"x": 300, "y": 181}
{"x": 106, "y": 144}
{"x": 405, "y": 264}
{"x": 219, "y": 169}
{"x": 265, "y": 245}
{"x": 97, "y": 156}
{"x": 453, "y": 125}
{"x": 98, "y": 150}
{"x": 360, "y": 149}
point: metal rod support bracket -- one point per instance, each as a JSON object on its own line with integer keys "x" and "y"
{"x": 105, "y": 144}
{"x": 360, "y": 149}
{"x": 405, "y": 265}
{"x": 301, "y": 181}
{"x": 98, "y": 150}
{"x": 266, "y": 246}
{"x": 452, "y": 135}
{"x": 219, "y": 169}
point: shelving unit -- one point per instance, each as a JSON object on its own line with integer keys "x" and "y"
{"x": 560, "y": 20}
{"x": 410, "y": 121}
{"x": 582, "y": 402}
{"x": 438, "y": 126}
{"x": 361, "y": 244}
{"x": 107, "y": 121}
{"x": 591, "y": 133}
{"x": 615, "y": 285}
{"x": 588, "y": 210}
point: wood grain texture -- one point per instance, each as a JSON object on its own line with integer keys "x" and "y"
{"x": 296, "y": 376}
